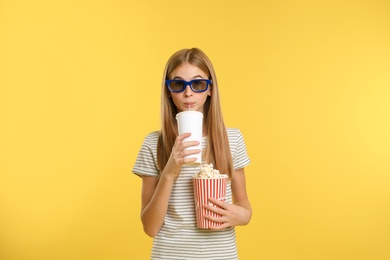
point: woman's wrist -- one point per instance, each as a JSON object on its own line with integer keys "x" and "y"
{"x": 168, "y": 176}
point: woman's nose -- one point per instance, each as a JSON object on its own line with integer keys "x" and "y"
{"x": 188, "y": 91}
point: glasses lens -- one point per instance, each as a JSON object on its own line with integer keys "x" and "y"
{"x": 199, "y": 85}
{"x": 176, "y": 85}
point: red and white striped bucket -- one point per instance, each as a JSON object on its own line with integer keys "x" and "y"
{"x": 203, "y": 190}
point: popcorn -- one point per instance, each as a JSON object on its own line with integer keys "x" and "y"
{"x": 208, "y": 183}
{"x": 208, "y": 172}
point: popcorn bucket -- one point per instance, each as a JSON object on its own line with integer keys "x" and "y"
{"x": 203, "y": 190}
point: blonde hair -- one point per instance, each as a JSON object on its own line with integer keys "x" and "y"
{"x": 217, "y": 149}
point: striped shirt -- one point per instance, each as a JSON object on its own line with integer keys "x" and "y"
{"x": 179, "y": 238}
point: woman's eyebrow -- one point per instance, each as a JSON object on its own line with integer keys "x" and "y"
{"x": 180, "y": 78}
{"x": 198, "y": 76}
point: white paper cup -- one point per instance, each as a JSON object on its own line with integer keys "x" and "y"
{"x": 203, "y": 190}
{"x": 191, "y": 122}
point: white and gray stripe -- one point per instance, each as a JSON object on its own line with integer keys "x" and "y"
{"x": 179, "y": 238}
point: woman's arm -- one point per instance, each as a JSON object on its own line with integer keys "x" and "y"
{"x": 156, "y": 191}
{"x": 236, "y": 214}
{"x": 240, "y": 196}
{"x": 155, "y": 197}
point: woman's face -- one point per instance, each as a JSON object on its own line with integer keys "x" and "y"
{"x": 189, "y": 100}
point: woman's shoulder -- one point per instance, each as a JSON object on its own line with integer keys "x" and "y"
{"x": 231, "y": 131}
{"x": 154, "y": 134}
{"x": 235, "y": 136}
{"x": 152, "y": 137}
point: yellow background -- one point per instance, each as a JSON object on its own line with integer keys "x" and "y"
{"x": 307, "y": 82}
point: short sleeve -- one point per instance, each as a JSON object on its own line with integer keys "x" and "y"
{"x": 238, "y": 149}
{"x": 146, "y": 162}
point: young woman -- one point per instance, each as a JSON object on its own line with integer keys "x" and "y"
{"x": 168, "y": 208}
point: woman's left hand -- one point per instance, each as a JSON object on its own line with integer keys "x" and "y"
{"x": 231, "y": 215}
{"x": 237, "y": 214}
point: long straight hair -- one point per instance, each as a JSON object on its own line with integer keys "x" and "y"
{"x": 217, "y": 149}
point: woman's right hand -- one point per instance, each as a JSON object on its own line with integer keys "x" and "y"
{"x": 156, "y": 191}
{"x": 176, "y": 160}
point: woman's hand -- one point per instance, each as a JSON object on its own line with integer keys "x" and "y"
{"x": 236, "y": 214}
{"x": 176, "y": 160}
{"x": 231, "y": 214}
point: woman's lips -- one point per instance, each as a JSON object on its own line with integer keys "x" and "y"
{"x": 189, "y": 104}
